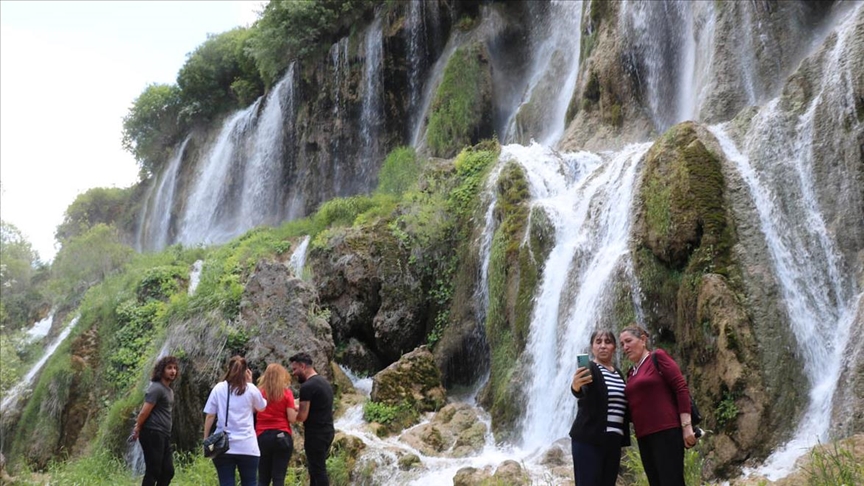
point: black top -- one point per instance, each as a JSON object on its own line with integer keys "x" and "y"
{"x": 319, "y": 394}
{"x": 591, "y": 420}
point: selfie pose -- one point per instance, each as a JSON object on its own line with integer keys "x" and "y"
{"x": 601, "y": 426}
{"x": 660, "y": 406}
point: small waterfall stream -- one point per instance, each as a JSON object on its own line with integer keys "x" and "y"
{"x": 41, "y": 328}
{"x": 298, "y": 258}
{"x": 372, "y": 115}
{"x": 13, "y": 395}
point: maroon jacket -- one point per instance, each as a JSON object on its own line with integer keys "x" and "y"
{"x": 656, "y": 400}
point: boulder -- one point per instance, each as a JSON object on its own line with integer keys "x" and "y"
{"x": 414, "y": 380}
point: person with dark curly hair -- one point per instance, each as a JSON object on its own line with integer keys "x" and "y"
{"x": 316, "y": 414}
{"x": 153, "y": 426}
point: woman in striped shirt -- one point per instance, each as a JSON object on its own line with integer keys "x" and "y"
{"x": 602, "y": 424}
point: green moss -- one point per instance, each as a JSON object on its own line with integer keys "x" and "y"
{"x": 462, "y": 103}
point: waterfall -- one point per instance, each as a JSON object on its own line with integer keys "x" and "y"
{"x": 14, "y": 394}
{"x": 238, "y": 183}
{"x": 298, "y": 258}
{"x": 371, "y": 115}
{"x": 490, "y": 196}
{"x": 40, "y": 329}
{"x": 209, "y": 217}
{"x": 591, "y": 212}
{"x": 153, "y": 231}
{"x": 417, "y": 53}
{"x": 261, "y": 194}
{"x": 777, "y": 162}
{"x": 339, "y": 63}
{"x": 674, "y": 41}
{"x": 195, "y": 276}
{"x": 552, "y": 77}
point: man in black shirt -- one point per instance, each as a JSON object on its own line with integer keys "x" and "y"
{"x": 316, "y": 413}
{"x": 153, "y": 426}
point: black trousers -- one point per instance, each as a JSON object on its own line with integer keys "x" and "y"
{"x": 317, "y": 447}
{"x": 158, "y": 460}
{"x": 663, "y": 457}
{"x": 275, "y": 455}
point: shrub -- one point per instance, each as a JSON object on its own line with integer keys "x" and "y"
{"x": 399, "y": 172}
{"x": 152, "y": 126}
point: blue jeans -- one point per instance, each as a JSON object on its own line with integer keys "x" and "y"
{"x": 227, "y": 463}
{"x": 597, "y": 464}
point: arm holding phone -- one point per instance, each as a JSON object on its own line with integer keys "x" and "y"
{"x": 582, "y": 376}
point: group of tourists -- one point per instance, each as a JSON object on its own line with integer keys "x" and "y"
{"x": 257, "y": 420}
{"x": 653, "y": 396}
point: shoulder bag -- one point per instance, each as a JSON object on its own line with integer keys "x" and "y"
{"x": 216, "y": 444}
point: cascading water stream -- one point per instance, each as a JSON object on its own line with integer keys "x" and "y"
{"x": 371, "y": 115}
{"x": 590, "y": 209}
{"x": 13, "y": 395}
{"x": 340, "y": 66}
{"x": 298, "y": 258}
{"x": 208, "y": 217}
{"x": 820, "y": 296}
{"x": 541, "y": 111}
{"x": 195, "y": 276}
{"x": 40, "y": 329}
{"x": 677, "y": 56}
{"x": 156, "y": 217}
{"x": 260, "y": 196}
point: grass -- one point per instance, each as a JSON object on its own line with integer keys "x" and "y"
{"x": 834, "y": 465}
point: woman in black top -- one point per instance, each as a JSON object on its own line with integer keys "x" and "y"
{"x": 602, "y": 424}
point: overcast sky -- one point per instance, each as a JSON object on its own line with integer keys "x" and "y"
{"x": 68, "y": 73}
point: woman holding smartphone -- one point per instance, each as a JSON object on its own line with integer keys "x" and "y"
{"x": 660, "y": 402}
{"x": 602, "y": 425}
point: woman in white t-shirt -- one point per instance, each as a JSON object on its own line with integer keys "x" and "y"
{"x": 245, "y": 398}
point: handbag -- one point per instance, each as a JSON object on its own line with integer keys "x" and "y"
{"x": 216, "y": 444}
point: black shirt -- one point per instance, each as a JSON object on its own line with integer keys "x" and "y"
{"x": 319, "y": 394}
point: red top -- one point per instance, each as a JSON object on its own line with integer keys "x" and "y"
{"x": 275, "y": 416}
{"x": 654, "y": 406}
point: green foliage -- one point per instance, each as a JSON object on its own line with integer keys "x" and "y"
{"x": 458, "y": 107}
{"x": 136, "y": 324}
{"x": 399, "y": 172}
{"x": 339, "y": 466}
{"x": 218, "y": 76}
{"x": 291, "y": 29}
{"x": 11, "y": 368}
{"x": 107, "y": 205}
{"x": 472, "y": 167}
{"x": 88, "y": 259}
{"x": 160, "y": 283}
{"x": 381, "y": 413}
{"x": 19, "y": 269}
{"x": 152, "y": 126}
{"x": 726, "y": 411}
{"x": 833, "y": 465}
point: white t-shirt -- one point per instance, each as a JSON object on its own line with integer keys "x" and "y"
{"x": 241, "y": 425}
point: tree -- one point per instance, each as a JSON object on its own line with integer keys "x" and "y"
{"x": 18, "y": 264}
{"x": 152, "y": 126}
{"x": 87, "y": 259}
{"x": 98, "y": 205}
{"x": 219, "y": 76}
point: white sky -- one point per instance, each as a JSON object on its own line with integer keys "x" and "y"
{"x": 68, "y": 73}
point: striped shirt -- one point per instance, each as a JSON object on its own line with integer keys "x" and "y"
{"x": 617, "y": 402}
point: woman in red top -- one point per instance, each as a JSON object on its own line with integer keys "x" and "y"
{"x": 273, "y": 425}
{"x": 660, "y": 409}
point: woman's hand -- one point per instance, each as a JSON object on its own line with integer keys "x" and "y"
{"x": 248, "y": 375}
{"x": 581, "y": 377}
{"x": 689, "y": 436}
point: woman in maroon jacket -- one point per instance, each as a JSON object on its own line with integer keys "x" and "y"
{"x": 660, "y": 409}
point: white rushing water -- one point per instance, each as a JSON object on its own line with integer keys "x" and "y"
{"x": 153, "y": 231}
{"x": 40, "y": 329}
{"x": 371, "y": 113}
{"x": 298, "y": 258}
{"x": 195, "y": 276}
{"x": 14, "y": 394}
{"x": 590, "y": 208}
{"x": 551, "y": 77}
{"x": 776, "y": 162}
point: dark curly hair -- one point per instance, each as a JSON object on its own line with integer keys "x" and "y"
{"x": 160, "y": 366}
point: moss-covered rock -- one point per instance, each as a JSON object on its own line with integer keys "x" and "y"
{"x": 461, "y": 113}
{"x": 414, "y": 380}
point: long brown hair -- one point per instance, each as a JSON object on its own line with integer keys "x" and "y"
{"x": 274, "y": 381}
{"x": 236, "y": 375}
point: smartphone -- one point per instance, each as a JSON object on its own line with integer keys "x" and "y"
{"x": 582, "y": 361}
